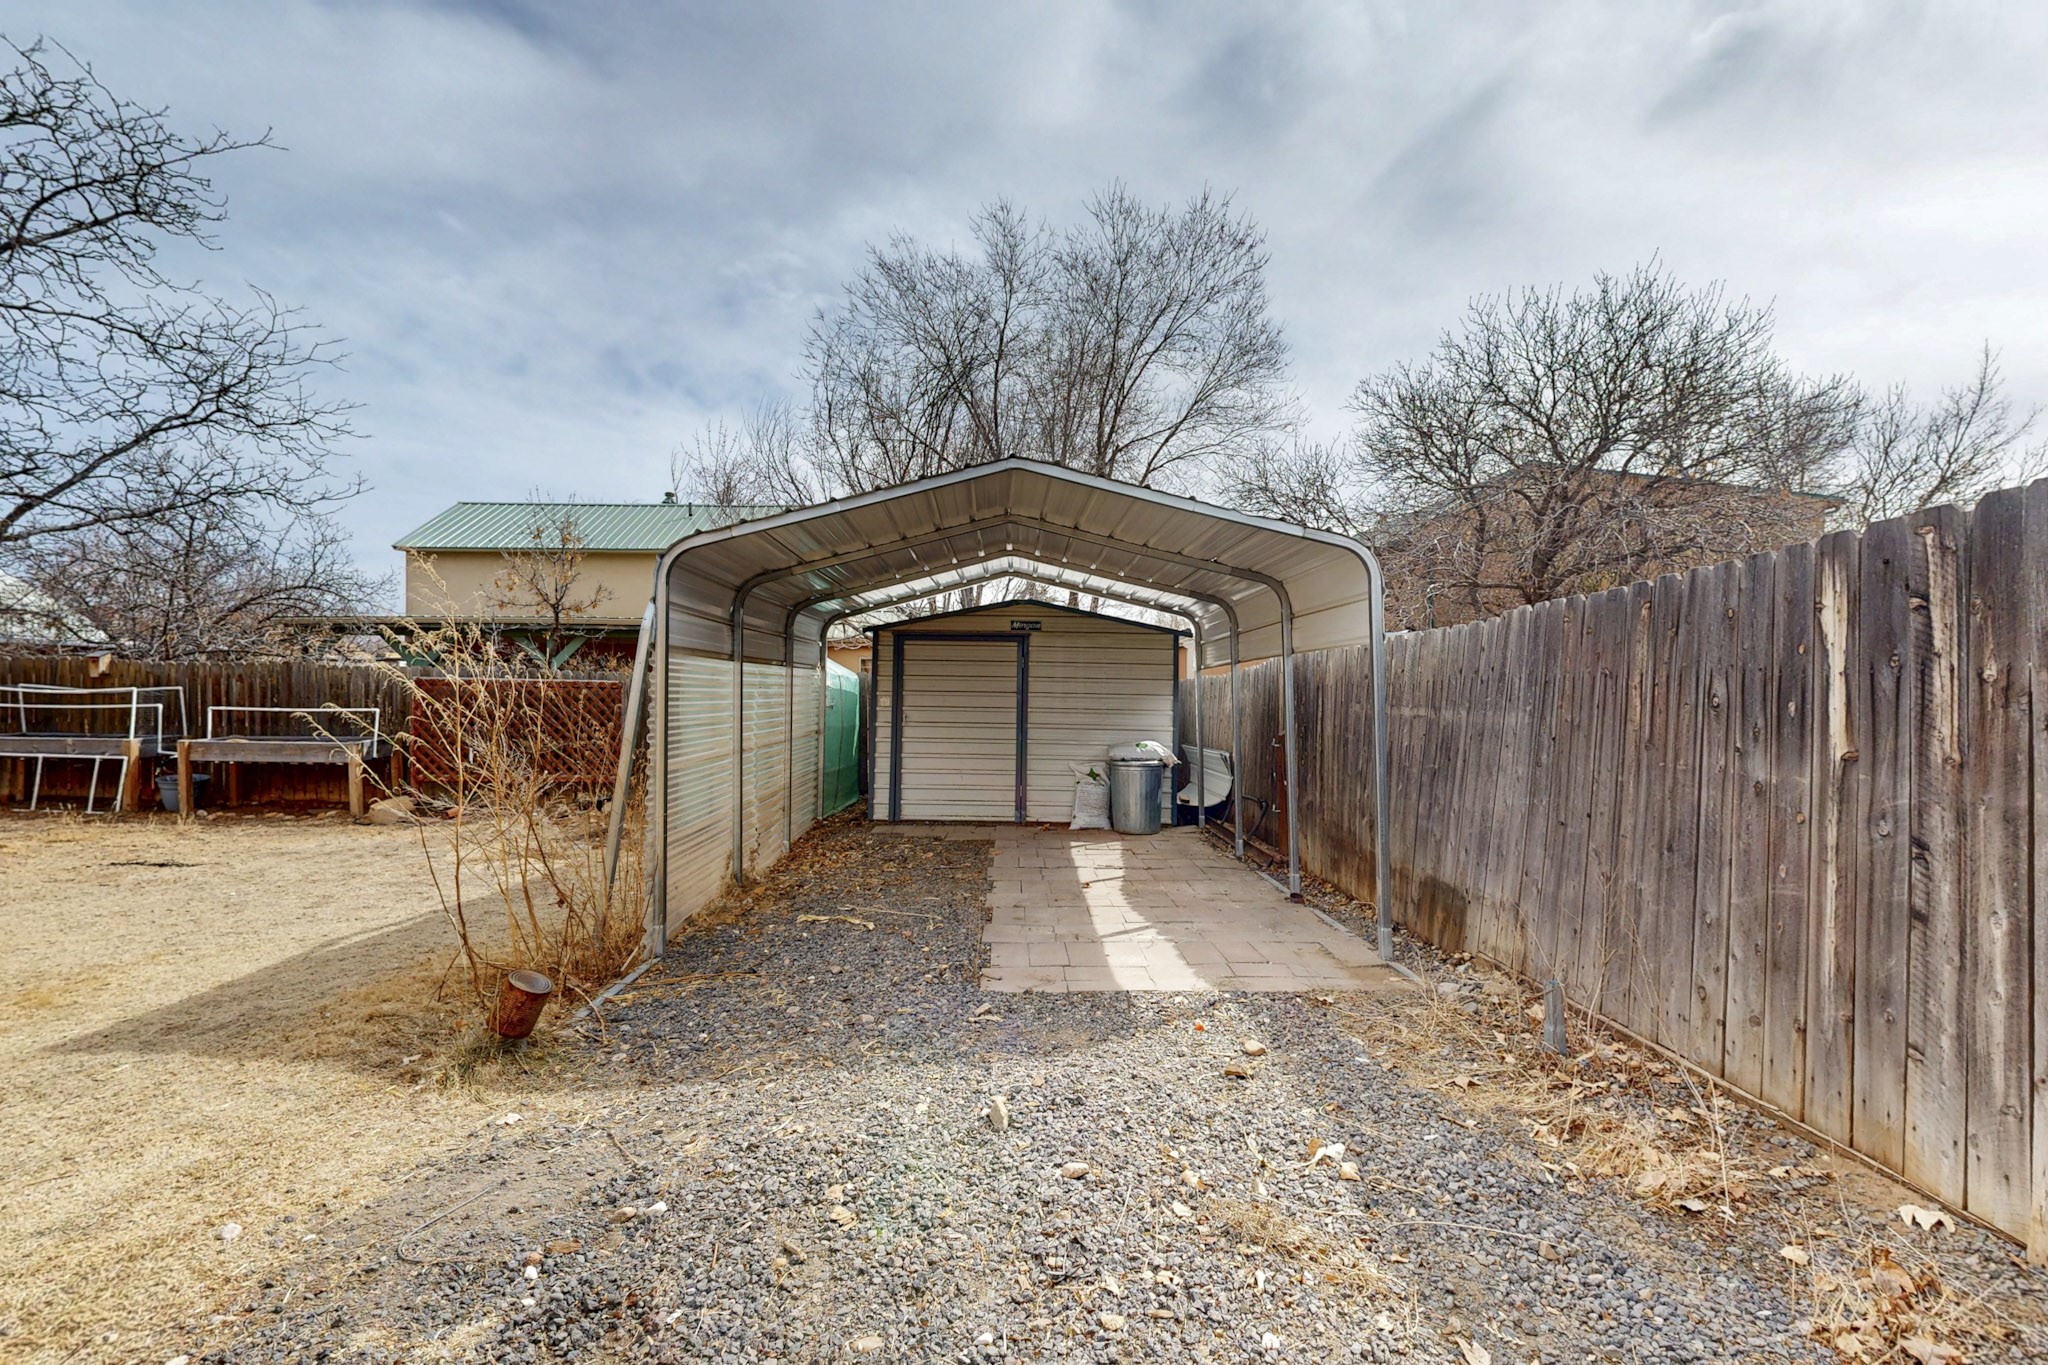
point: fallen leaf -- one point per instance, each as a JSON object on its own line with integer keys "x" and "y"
{"x": 1332, "y": 1152}
{"x": 1889, "y": 1277}
{"x": 1797, "y": 1255}
{"x": 1475, "y": 1354}
{"x": 1181, "y": 1210}
{"x": 1914, "y": 1216}
{"x": 1928, "y": 1351}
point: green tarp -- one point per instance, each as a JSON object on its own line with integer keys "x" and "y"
{"x": 842, "y": 738}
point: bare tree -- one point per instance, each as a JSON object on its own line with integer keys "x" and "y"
{"x": 544, "y": 581}
{"x": 1158, "y": 352}
{"x": 1310, "y": 483}
{"x": 757, "y": 463}
{"x": 1563, "y": 442}
{"x": 1968, "y": 441}
{"x": 211, "y": 579}
{"x": 126, "y": 396}
{"x": 1135, "y": 344}
{"x": 1574, "y": 441}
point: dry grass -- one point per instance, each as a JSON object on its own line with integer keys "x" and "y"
{"x": 1875, "y": 1302}
{"x": 1609, "y": 1110}
{"x": 1335, "y": 1262}
{"x": 261, "y": 1031}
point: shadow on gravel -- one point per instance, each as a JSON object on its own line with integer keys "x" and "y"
{"x": 334, "y": 1002}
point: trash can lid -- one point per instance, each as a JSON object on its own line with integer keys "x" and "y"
{"x": 1141, "y": 751}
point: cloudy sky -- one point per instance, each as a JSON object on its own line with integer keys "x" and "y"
{"x": 559, "y": 238}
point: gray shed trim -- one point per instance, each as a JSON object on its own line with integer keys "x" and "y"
{"x": 759, "y": 594}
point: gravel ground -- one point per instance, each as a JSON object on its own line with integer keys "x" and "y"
{"x": 796, "y": 1114}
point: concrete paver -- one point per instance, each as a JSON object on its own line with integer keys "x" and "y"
{"x": 1095, "y": 911}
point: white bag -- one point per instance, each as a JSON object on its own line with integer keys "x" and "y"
{"x": 1091, "y": 798}
{"x": 1146, "y": 748}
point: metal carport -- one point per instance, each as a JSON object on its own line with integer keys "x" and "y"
{"x": 735, "y": 636}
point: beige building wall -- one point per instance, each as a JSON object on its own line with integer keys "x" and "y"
{"x": 461, "y": 583}
{"x": 849, "y": 657}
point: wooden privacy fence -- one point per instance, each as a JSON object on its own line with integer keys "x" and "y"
{"x": 567, "y": 728}
{"x": 294, "y": 683}
{"x": 570, "y": 726}
{"x": 1785, "y": 816}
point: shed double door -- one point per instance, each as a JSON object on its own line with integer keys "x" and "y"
{"x": 960, "y": 728}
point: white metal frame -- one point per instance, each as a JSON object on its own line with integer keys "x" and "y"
{"x": 134, "y": 708}
{"x": 375, "y": 713}
{"x": 654, "y": 652}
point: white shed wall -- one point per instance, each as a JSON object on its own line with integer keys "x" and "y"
{"x": 1094, "y": 682}
{"x": 698, "y": 721}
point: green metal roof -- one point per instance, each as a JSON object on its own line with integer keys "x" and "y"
{"x": 648, "y": 527}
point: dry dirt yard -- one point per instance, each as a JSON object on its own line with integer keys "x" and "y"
{"x": 230, "y": 1022}
{"x": 794, "y": 1153}
{"x": 785, "y": 1144}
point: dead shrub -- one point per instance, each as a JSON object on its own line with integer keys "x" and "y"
{"x": 504, "y": 771}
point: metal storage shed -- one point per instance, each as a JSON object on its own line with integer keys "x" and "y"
{"x": 735, "y": 635}
{"x": 981, "y": 714}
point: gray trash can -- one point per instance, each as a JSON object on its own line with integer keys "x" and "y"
{"x": 1134, "y": 795}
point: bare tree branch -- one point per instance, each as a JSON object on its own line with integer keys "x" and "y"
{"x": 127, "y": 397}
{"x": 1135, "y": 344}
{"x": 210, "y": 579}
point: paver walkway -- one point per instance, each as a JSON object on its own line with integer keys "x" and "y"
{"x": 1097, "y": 911}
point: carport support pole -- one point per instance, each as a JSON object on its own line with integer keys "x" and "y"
{"x": 824, "y": 698}
{"x": 1195, "y": 691}
{"x": 789, "y": 732}
{"x": 1236, "y": 743}
{"x": 1293, "y": 774}
{"x": 1382, "y": 839}
{"x": 739, "y": 739}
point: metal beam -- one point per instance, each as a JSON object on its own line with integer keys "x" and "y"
{"x": 622, "y": 785}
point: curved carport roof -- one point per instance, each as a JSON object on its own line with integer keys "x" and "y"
{"x": 764, "y": 591}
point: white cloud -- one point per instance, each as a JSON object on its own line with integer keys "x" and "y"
{"x": 557, "y": 238}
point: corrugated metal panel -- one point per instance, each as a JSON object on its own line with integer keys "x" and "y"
{"x": 842, "y": 740}
{"x": 700, "y": 805}
{"x": 804, "y": 808}
{"x": 644, "y": 526}
{"x": 699, "y": 834}
{"x": 1094, "y": 682}
{"x": 959, "y": 730}
{"x": 767, "y": 764}
{"x": 882, "y": 742}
